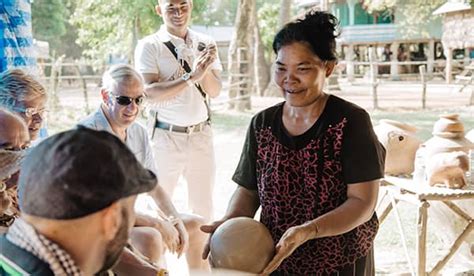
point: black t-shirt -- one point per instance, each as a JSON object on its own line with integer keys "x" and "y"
{"x": 299, "y": 178}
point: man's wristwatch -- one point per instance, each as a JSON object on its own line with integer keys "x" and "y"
{"x": 187, "y": 78}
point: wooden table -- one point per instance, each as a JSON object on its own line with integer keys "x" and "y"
{"x": 405, "y": 189}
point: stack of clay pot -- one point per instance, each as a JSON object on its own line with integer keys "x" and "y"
{"x": 400, "y": 144}
{"x": 446, "y": 153}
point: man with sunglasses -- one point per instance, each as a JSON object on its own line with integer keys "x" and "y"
{"x": 158, "y": 224}
{"x": 181, "y": 69}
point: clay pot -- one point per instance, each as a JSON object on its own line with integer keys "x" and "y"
{"x": 448, "y": 169}
{"x": 242, "y": 244}
{"x": 446, "y": 153}
{"x": 400, "y": 144}
{"x": 448, "y": 136}
{"x": 448, "y": 126}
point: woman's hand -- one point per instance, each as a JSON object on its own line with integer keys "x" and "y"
{"x": 291, "y": 239}
{"x": 210, "y": 229}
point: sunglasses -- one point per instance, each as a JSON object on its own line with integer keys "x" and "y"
{"x": 124, "y": 100}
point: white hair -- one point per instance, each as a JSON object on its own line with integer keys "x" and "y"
{"x": 16, "y": 87}
{"x": 118, "y": 74}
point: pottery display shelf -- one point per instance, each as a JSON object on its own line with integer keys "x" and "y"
{"x": 396, "y": 189}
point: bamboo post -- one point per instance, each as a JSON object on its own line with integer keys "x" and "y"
{"x": 448, "y": 52}
{"x": 457, "y": 243}
{"x": 422, "y": 70}
{"x": 402, "y": 234}
{"x": 471, "y": 101}
{"x": 384, "y": 205}
{"x": 84, "y": 87}
{"x": 385, "y": 212}
{"x": 394, "y": 74}
{"x": 350, "y": 63}
{"x": 457, "y": 210}
{"x": 373, "y": 78}
{"x": 54, "y": 80}
{"x": 52, "y": 76}
{"x": 422, "y": 218}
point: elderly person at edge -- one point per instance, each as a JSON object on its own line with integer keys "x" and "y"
{"x": 122, "y": 97}
{"x": 312, "y": 162}
{"x": 77, "y": 191}
{"x": 22, "y": 94}
{"x": 13, "y": 139}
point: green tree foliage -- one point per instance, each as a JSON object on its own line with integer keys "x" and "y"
{"x": 99, "y": 28}
{"x": 113, "y": 26}
{"x": 214, "y": 12}
{"x": 379, "y": 5}
{"x": 268, "y": 24}
{"x": 108, "y": 27}
{"x": 49, "y": 21}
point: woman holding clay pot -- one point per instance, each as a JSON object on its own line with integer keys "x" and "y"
{"x": 312, "y": 163}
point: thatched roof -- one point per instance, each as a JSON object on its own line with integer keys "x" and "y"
{"x": 457, "y": 29}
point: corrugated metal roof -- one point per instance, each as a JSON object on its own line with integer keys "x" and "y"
{"x": 453, "y": 6}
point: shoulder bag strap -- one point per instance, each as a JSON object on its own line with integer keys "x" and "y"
{"x": 186, "y": 68}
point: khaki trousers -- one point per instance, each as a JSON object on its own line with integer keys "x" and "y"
{"x": 190, "y": 155}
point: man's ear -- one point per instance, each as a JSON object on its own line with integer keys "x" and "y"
{"x": 158, "y": 9}
{"x": 330, "y": 65}
{"x": 105, "y": 97}
{"x": 111, "y": 220}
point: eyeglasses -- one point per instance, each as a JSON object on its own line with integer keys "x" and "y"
{"x": 124, "y": 100}
{"x": 31, "y": 112}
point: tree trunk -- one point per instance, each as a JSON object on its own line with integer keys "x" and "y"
{"x": 135, "y": 32}
{"x": 285, "y": 12}
{"x": 240, "y": 57}
{"x": 261, "y": 66}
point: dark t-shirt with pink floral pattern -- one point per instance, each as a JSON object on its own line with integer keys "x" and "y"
{"x": 300, "y": 178}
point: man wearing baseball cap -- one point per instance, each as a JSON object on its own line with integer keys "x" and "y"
{"x": 77, "y": 190}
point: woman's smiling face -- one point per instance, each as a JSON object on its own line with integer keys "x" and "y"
{"x": 300, "y": 74}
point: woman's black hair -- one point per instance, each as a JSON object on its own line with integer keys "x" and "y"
{"x": 318, "y": 29}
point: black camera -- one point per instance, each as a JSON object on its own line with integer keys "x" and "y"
{"x": 201, "y": 46}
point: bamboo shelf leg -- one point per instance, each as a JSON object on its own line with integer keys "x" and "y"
{"x": 402, "y": 233}
{"x": 457, "y": 243}
{"x": 422, "y": 218}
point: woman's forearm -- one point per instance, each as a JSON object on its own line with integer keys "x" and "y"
{"x": 356, "y": 210}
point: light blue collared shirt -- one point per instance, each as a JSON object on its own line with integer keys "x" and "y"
{"x": 137, "y": 139}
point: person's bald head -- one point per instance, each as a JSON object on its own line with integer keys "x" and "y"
{"x": 13, "y": 131}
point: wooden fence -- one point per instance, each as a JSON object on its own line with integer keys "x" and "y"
{"x": 56, "y": 75}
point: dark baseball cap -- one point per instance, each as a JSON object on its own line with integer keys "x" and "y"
{"x": 79, "y": 172}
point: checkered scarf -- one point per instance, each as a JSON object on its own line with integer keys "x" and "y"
{"x": 23, "y": 235}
